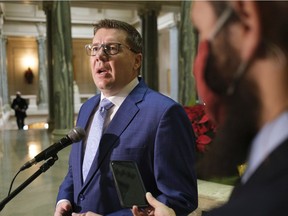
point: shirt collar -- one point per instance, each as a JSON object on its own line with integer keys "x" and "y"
{"x": 118, "y": 99}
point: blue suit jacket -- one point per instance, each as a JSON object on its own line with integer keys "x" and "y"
{"x": 150, "y": 129}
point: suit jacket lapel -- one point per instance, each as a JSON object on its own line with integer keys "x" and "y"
{"x": 119, "y": 123}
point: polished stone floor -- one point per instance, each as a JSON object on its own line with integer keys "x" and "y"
{"x": 16, "y": 148}
{"x": 38, "y": 198}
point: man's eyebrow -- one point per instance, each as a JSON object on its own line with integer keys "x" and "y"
{"x": 105, "y": 43}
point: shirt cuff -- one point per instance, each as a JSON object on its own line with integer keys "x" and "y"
{"x": 63, "y": 200}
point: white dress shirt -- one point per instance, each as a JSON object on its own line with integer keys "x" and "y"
{"x": 118, "y": 99}
{"x": 268, "y": 139}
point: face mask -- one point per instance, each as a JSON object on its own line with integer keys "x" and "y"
{"x": 208, "y": 94}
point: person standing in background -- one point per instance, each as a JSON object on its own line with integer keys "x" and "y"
{"x": 20, "y": 106}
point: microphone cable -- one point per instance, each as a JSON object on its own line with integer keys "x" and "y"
{"x": 12, "y": 182}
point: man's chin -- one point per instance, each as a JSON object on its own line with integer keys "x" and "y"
{"x": 108, "y": 89}
{"x": 103, "y": 85}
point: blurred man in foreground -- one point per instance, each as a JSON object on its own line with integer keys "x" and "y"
{"x": 242, "y": 76}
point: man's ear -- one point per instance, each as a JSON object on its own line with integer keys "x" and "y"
{"x": 248, "y": 13}
{"x": 138, "y": 61}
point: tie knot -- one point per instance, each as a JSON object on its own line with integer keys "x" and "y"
{"x": 106, "y": 104}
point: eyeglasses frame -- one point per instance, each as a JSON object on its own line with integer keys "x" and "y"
{"x": 88, "y": 48}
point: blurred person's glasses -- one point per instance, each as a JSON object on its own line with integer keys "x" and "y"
{"x": 109, "y": 48}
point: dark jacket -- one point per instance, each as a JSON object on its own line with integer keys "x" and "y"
{"x": 20, "y": 106}
{"x": 265, "y": 192}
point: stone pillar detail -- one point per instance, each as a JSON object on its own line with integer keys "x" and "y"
{"x": 188, "y": 48}
{"x": 3, "y": 68}
{"x": 59, "y": 50}
{"x": 174, "y": 55}
{"x": 47, "y": 7}
{"x": 150, "y": 53}
{"x": 42, "y": 97}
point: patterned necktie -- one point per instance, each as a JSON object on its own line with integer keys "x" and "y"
{"x": 95, "y": 135}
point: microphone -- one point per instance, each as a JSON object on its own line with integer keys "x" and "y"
{"x": 75, "y": 135}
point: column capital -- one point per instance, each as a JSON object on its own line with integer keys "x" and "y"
{"x": 1, "y": 21}
{"x": 149, "y": 8}
{"x": 169, "y": 21}
{"x": 40, "y": 29}
{"x": 41, "y": 40}
{"x": 47, "y": 6}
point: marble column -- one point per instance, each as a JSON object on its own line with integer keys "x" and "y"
{"x": 61, "y": 109}
{"x": 42, "y": 97}
{"x": 47, "y": 7}
{"x": 174, "y": 64}
{"x": 150, "y": 40}
{"x": 188, "y": 48}
{"x": 3, "y": 70}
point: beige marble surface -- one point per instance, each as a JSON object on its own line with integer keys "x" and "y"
{"x": 16, "y": 148}
{"x": 219, "y": 192}
{"x": 212, "y": 194}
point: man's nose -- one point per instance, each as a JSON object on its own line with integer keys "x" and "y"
{"x": 101, "y": 55}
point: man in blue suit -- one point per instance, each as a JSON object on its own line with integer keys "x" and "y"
{"x": 143, "y": 126}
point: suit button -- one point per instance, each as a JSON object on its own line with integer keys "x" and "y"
{"x": 81, "y": 197}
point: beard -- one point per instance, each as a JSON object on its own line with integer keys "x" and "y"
{"x": 233, "y": 138}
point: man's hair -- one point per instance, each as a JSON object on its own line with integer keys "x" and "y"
{"x": 134, "y": 39}
{"x": 219, "y": 6}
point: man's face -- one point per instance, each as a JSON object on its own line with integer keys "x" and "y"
{"x": 234, "y": 136}
{"x": 112, "y": 72}
{"x": 223, "y": 55}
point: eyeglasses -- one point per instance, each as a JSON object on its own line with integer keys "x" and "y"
{"x": 109, "y": 48}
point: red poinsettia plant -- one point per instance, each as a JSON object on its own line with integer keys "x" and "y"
{"x": 203, "y": 127}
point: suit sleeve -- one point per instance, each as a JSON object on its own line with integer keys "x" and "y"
{"x": 174, "y": 161}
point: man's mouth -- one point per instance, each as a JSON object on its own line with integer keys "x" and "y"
{"x": 102, "y": 70}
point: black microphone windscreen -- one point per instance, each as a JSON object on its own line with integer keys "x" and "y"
{"x": 76, "y": 134}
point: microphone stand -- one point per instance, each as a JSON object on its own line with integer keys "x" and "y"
{"x": 41, "y": 170}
